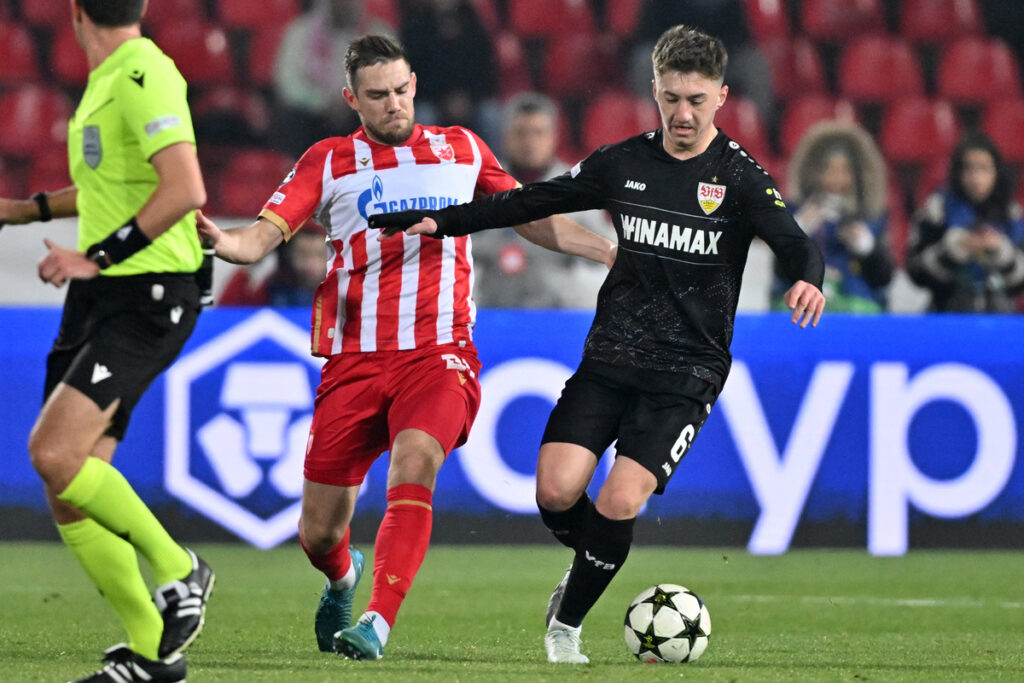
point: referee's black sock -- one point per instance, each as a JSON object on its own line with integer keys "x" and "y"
{"x": 568, "y": 526}
{"x": 602, "y": 552}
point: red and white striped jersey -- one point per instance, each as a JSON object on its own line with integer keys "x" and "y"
{"x": 405, "y": 292}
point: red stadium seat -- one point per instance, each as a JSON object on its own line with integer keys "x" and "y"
{"x": 796, "y": 66}
{"x": 544, "y": 18}
{"x": 160, "y": 12}
{"x": 740, "y": 119}
{"x": 933, "y": 176}
{"x": 17, "y": 54}
{"x": 838, "y": 20}
{"x": 876, "y": 68}
{"x": 617, "y": 115}
{"x": 623, "y": 16}
{"x": 67, "y": 58}
{"x": 251, "y": 14}
{"x": 513, "y": 69}
{"x": 575, "y": 63}
{"x": 768, "y": 19}
{"x": 918, "y": 130}
{"x": 1003, "y": 121}
{"x": 40, "y": 116}
{"x": 248, "y": 179}
{"x": 489, "y": 15}
{"x": 199, "y": 49}
{"x": 263, "y": 48}
{"x": 45, "y": 14}
{"x": 939, "y": 21}
{"x": 385, "y": 10}
{"x": 974, "y": 70}
{"x": 804, "y": 112}
{"x": 49, "y": 171}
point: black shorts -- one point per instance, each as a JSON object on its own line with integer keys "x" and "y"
{"x": 654, "y": 415}
{"x": 118, "y": 333}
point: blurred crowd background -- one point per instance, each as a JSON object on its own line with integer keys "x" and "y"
{"x": 895, "y": 128}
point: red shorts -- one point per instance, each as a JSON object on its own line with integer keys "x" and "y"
{"x": 366, "y": 399}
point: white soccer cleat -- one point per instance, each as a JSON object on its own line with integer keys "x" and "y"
{"x": 563, "y": 645}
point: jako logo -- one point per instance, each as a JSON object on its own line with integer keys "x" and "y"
{"x": 372, "y": 201}
{"x": 635, "y": 185}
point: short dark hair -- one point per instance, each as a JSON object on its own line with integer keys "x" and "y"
{"x": 685, "y": 49}
{"x": 113, "y": 13}
{"x": 369, "y": 50}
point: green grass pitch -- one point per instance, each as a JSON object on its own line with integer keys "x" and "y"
{"x": 476, "y": 613}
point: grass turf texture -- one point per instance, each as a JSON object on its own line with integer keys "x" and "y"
{"x": 476, "y": 613}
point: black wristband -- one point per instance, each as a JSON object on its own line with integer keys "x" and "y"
{"x": 119, "y": 245}
{"x": 44, "y": 206}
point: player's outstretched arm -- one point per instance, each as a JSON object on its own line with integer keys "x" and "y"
{"x": 807, "y": 302}
{"x": 241, "y": 245}
{"x": 58, "y": 204}
{"x": 566, "y": 236}
{"x": 409, "y": 222}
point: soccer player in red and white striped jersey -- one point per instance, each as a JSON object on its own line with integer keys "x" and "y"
{"x": 394, "y": 320}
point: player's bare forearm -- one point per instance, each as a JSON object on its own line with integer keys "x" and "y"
{"x": 179, "y": 189}
{"x": 807, "y": 302}
{"x": 566, "y": 236}
{"x": 242, "y": 245}
{"x": 62, "y": 203}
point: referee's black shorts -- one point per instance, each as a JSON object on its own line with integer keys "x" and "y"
{"x": 654, "y": 415}
{"x": 118, "y": 333}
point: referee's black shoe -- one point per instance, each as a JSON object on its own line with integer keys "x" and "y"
{"x": 182, "y": 605}
{"x": 124, "y": 665}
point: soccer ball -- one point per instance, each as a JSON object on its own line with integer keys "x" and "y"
{"x": 667, "y": 623}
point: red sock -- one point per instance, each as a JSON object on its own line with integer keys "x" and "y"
{"x": 401, "y": 546}
{"x": 335, "y": 562}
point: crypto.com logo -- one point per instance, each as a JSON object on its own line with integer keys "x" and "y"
{"x": 252, "y": 414}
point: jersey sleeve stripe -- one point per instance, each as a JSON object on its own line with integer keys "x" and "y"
{"x": 280, "y": 223}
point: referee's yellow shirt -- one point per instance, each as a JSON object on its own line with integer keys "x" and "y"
{"x": 134, "y": 105}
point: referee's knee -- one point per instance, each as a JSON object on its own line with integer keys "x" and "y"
{"x": 53, "y": 461}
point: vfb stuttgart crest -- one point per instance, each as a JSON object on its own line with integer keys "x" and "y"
{"x": 710, "y": 196}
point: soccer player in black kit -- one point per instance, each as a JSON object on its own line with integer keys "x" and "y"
{"x": 686, "y": 202}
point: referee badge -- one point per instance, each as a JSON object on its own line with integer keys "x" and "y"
{"x": 92, "y": 150}
{"x": 710, "y": 197}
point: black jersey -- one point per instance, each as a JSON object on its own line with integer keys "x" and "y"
{"x": 684, "y": 230}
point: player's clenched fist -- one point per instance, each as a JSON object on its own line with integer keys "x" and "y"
{"x": 411, "y": 222}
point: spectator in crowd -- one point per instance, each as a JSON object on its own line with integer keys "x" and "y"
{"x": 463, "y": 75}
{"x": 837, "y": 184}
{"x": 967, "y": 242}
{"x": 293, "y": 282}
{"x": 309, "y": 73}
{"x": 515, "y": 273}
{"x": 749, "y": 72}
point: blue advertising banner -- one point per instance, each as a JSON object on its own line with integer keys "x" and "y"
{"x": 874, "y": 421}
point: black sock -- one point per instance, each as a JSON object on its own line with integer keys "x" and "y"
{"x": 601, "y": 553}
{"x": 568, "y": 526}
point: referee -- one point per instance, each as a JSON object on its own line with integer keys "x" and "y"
{"x": 131, "y": 304}
{"x": 686, "y": 202}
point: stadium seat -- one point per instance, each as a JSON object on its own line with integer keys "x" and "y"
{"x": 513, "y": 69}
{"x": 623, "y": 16}
{"x": 159, "y": 12}
{"x": 49, "y": 171}
{"x": 877, "y": 68}
{"x": 199, "y": 49}
{"x": 550, "y": 18}
{"x": 575, "y": 63}
{"x": 40, "y": 116}
{"x": 616, "y": 115}
{"x": 838, "y": 20}
{"x": 974, "y": 70}
{"x": 252, "y": 14}
{"x": 385, "y": 10}
{"x": 933, "y": 176}
{"x": 796, "y": 67}
{"x": 740, "y": 119}
{"x": 17, "y": 54}
{"x": 1003, "y": 121}
{"x": 263, "y": 47}
{"x": 768, "y": 19}
{"x": 42, "y": 14}
{"x": 67, "y": 59}
{"x": 939, "y": 21}
{"x": 248, "y": 179}
{"x": 489, "y": 15}
{"x": 804, "y": 112}
{"x": 918, "y": 130}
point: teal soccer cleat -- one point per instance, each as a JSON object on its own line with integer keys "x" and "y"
{"x": 334, "y": 612}
{"x": 360, "y": 641}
